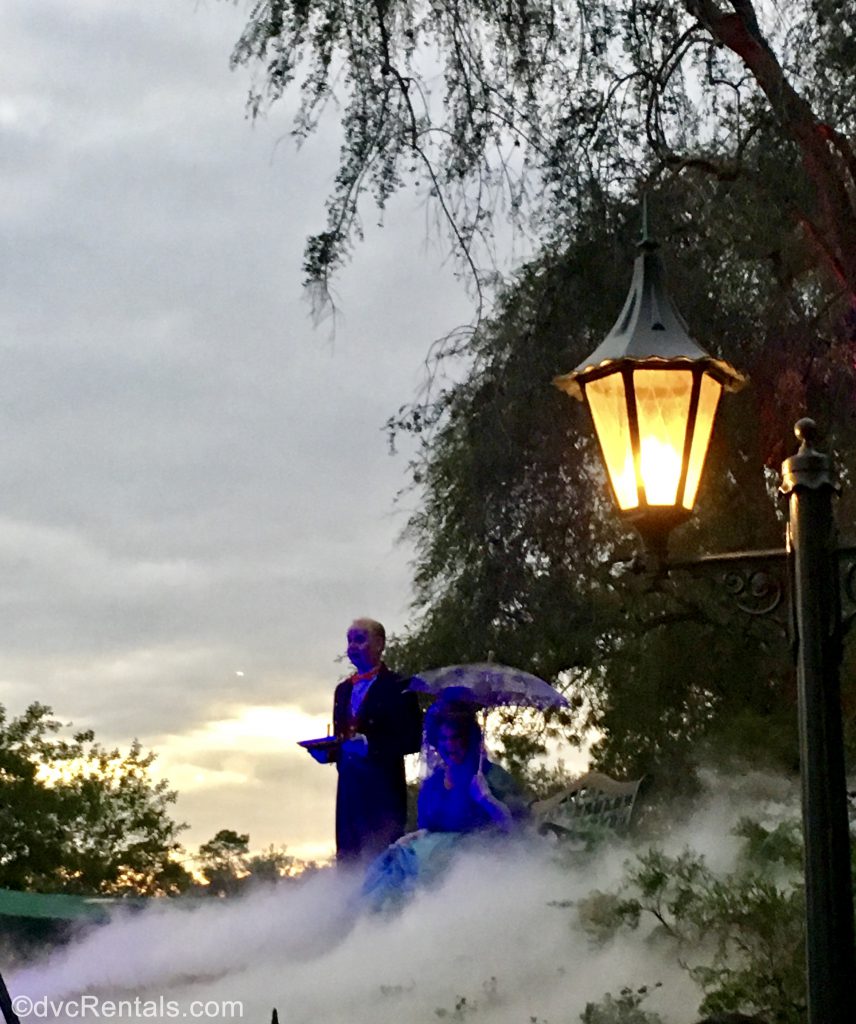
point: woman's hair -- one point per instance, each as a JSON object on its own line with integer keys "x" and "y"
{"x": 457, "y": 714}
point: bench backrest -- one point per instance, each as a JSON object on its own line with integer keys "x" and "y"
{"x": 593, "y": 800}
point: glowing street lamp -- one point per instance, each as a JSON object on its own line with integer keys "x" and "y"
{"x": 653, "y": 393}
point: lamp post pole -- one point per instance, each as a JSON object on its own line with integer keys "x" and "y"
{"x": 831, "y": 971}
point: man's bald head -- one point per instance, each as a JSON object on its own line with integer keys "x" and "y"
{"x": 371, "y": 626}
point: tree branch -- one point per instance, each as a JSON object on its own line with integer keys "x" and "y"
{"x": 828, "y": 169}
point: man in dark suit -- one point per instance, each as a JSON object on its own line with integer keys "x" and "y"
{"x": 377, "y": 722}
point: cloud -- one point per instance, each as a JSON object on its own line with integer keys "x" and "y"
{"x": 194, "y": 481}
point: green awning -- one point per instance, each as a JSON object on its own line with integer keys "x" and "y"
{"x": 56, "y": 906}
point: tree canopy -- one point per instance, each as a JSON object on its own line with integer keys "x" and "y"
{"x": 230, "y": 869}
{"x": 77, "y": 817}
{"x": 523, "y": 107}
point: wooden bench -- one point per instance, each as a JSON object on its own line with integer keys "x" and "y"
{"x": 592, "y": 803}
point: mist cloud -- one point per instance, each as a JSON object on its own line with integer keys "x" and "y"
{"x": 501, "y": 932}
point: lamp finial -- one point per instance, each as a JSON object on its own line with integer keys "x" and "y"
{"x": 806, "y": 432}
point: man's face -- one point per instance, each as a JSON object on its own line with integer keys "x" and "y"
{"x": 364, "y": 648}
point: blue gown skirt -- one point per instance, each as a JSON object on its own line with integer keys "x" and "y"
{"x": 393, "y": 876}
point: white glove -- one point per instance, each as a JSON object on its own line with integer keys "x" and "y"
{"x": 406, "y": 840}
{"x": 356, "y": 746}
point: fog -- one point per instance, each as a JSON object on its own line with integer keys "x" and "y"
{"x": 501, "y": 932}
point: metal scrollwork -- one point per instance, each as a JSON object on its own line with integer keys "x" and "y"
{"x": 752, "y": 583}
{"x": 755, "y": 591}
{"x": 756, "y": 582}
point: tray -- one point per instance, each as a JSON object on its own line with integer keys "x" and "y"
{"x": 323, "y": 749}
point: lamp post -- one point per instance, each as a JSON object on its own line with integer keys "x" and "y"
{"x": 816, "y": 616}
{"x": 653, "y": 392}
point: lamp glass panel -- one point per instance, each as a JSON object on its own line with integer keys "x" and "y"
{"x": 708, "y": 400}
{"x": 608, "y": 406}
{"x": 662, "y": 409}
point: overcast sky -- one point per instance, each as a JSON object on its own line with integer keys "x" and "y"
{"x": 196, "y": 496}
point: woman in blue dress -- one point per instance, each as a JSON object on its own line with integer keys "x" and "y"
{"x": 465, "y": 794}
